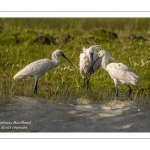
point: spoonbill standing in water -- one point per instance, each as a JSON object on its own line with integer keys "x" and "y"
{"x": 40, "y": 67}
{"x": 87, "y": 57}
{"x": 119, "y": 72}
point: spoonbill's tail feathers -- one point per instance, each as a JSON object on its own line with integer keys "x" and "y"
{"x": 132, "y": 78}
{"x": 20, "y": 74}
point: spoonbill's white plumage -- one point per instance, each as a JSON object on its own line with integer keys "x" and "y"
{"x": 87, "y": 57}
{"x": 40, "y": 67}
{"x": 119, "y": 72}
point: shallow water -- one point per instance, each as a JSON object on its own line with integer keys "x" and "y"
{"x": 30, "y": 114}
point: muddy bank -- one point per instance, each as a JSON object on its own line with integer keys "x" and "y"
{"x": 28, "y": 114}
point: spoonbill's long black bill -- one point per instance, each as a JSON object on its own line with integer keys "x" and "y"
{"x": 91, "y": 68}
{"x": 68, "y": 60}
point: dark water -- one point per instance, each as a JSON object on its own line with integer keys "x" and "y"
{"x": 28, "y": 114}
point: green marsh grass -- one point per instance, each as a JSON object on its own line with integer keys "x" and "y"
{"x": 19, "y": 47}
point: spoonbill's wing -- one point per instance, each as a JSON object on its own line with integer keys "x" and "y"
{"x": 122, "y": 73}
{"x": 38, "y": 67}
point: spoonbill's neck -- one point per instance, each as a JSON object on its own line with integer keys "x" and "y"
{"x": 56, "y": 59}
{"x": 105, "y": 62}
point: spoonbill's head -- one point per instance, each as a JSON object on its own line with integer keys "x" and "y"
{"x": 60, "y": 53}
{"x": 91, "y": 49}
{"x": 104, "y": 53}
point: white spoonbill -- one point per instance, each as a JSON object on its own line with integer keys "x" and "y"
{"x": 119, "y": 72}
{"x": 87, "y": 57}
{"x": 40, "y": 67}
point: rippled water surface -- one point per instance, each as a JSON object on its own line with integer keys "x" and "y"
{"x": 28, "y": 114}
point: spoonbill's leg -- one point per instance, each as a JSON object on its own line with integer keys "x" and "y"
{"x": 87, "y": 81}
{"x": 35, "y": 86}
{"x": 116, "y": 87}
{"x": 130, "y": 90}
